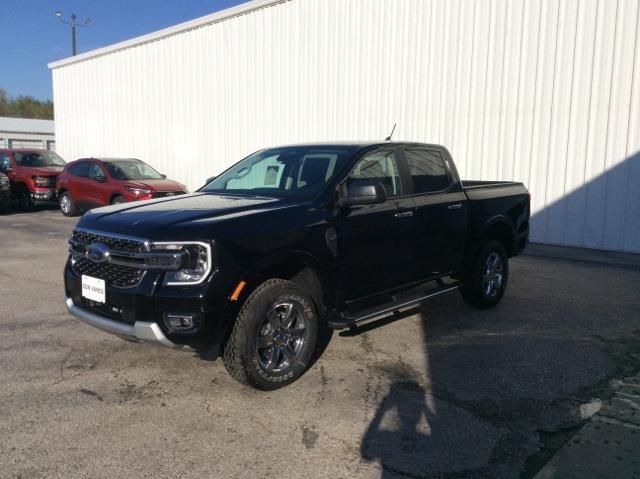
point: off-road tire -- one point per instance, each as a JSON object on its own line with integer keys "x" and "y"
{"x": 473, "y": 291}
{"x": 240, "y": 354}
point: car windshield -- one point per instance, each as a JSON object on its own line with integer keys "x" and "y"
{"x": 38, "y": 158}
{"x": 296, "y": 173}
{"x": 131, "y": 170}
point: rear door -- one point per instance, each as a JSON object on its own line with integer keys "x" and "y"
{"x": 373, "y": 240}
{"x": 78, "y": 183}
{"x": 440, "y": 204}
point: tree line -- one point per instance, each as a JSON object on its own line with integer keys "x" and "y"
{"x": 25, "y": 107}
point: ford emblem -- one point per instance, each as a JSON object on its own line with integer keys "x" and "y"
{"x": 98, "y": 252}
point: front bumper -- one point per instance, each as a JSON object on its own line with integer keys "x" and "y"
{"x": 44, "y": 196}
{"x": 139, "y": 312}
{"x": 140, "y": 330}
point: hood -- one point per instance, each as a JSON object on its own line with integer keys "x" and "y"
{"x": 41, "y": 170}
{"x": 157, "y": 185}
{"x": 164, "y": 217}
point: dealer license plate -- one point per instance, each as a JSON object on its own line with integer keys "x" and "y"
{"x": 94, "y": 289}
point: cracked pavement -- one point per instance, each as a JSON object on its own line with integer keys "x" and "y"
{"x": 447, "y": 391}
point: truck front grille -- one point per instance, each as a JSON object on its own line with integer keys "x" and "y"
{"x": 114, "y": 275}
{"x": 85, "y": 238}
{"x": 51, "y": 181}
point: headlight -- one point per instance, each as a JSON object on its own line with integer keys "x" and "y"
{"x": 196, "y": 266}
{"x": 138, "y": 191}
{"x": 41, "y": 181}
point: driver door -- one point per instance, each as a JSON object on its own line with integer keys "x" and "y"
{"x": 373, "y": 240}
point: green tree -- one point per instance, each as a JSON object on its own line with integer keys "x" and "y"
{"x": 25, "y": 107}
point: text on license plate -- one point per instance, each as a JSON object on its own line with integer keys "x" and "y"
{"x": 94, "y": 289}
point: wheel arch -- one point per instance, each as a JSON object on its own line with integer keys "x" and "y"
{"x": 499, "y": 228}
{"x": 114, "y": 195}
{"x": 298, "y": 267}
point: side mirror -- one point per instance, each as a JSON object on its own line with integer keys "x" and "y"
{"x": 164, "y": 177}
{"x": 363, "y": 192}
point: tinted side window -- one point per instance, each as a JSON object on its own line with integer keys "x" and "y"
{"x": 5, "y": 162}
{"x": 380, "y": 166}
{"x": 95, "y": 171}
{"x": 428, "y": 171}
{"x": 80, "y": 169}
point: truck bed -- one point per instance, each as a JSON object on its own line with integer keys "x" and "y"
{"x": 489, "y": 200}
{"x": 475, "y": 184}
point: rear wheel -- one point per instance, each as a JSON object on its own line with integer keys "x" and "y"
{"x": 274, "y": 336}
{"x": 118, "y": 200}
{"x": 486, "y": 280}
{"x": 67, "y": 206}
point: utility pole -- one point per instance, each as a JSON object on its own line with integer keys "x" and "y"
{"x": 74, "y": 23}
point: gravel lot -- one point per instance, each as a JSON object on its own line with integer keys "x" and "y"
{"x": 448, "y": 392}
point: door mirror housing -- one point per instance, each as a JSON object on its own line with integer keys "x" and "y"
{"x": 363, "y": 192}
{"x": 209, "y": 180}
{"x": 164, "y": 177}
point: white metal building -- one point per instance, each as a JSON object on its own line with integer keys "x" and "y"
{"x": 26, "y": 133}
{"x": 541, "y": 91}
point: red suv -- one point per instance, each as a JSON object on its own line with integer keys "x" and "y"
{"x": 92, "y": 182}
{"x": 32, "y": 174}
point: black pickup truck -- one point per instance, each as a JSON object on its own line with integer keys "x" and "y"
{"x": 290, "y": 243}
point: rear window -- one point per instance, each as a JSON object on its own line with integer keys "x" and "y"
{"x": 428, "y": 171}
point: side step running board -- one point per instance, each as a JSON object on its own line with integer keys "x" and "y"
{"x": 347, "y": 319}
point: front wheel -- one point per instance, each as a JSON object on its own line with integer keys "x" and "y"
{"x": 274, "y": 336}
{"x": 25, "y": 203}
{"x": 486, "y": 280}
{"x": 118, "y": 200}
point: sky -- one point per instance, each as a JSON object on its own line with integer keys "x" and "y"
{"x": 32, "y": 36}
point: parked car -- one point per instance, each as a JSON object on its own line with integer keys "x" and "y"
{"x": 93, "y": 182}
{"x": 33, "y": 175}
{"x": 289, "y": 243}
{"x": 5, "y": 193}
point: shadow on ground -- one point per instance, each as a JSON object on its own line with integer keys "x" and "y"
{"x": 502, "y": 393}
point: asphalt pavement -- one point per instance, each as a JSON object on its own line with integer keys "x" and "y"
{"x": 445, "y": 392}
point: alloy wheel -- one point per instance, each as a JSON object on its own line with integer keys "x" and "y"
{"x": 281, "y": 337}
{"x": 493, "y": 275}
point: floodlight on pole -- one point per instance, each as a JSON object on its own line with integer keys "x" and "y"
{"x": 73, "y": 23}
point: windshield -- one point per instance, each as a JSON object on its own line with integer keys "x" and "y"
{"x": 38, "y": 158}
{"x": 292, "y": 172}
{"x": 131, "y": 170}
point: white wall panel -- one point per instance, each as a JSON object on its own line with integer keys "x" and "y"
{"x": 541, "y": 91}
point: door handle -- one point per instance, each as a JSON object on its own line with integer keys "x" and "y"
{"x": 404, "y": 214}
{"x": 457, "y": 206}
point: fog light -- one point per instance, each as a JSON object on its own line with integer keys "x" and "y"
{"x": 177, "y": 323}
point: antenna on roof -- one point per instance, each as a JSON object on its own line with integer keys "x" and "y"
{"x": 394, "y": 129}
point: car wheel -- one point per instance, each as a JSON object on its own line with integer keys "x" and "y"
{"x": 118, "y": 200}
{"x": 25, "y": 203}
{"x": 486, "y": 281}
{"x": 274, "y": 336}
{"x": 67, "y": 206}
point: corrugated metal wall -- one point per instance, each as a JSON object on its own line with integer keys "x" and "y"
{"x": 541, "y": 91}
